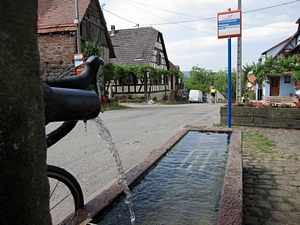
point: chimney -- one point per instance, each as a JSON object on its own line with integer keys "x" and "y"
{"x": 112, "y": 30}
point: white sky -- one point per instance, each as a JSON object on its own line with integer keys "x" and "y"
{"x": 195, "y": 43}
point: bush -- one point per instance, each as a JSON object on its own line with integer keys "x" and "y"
{"x": 252, "y": 96}
{"x": 165, "y": 98}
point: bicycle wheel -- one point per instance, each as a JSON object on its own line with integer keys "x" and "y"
{"x": 65, "y": 193}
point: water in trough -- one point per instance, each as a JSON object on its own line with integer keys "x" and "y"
{"x": 183, "y": 188}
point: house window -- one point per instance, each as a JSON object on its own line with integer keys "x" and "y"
{"x": 287, "y": 54}
{"x": 165, "y": 79}
{"x": 139, "y": 56}
{"x": 287, "y": 79}
{"x": 131, "y": 79}
{"x": 158, "y": 59}
{"x": 159, "y": 81}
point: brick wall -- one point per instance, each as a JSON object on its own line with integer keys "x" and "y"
{"x": 56, "y": 53}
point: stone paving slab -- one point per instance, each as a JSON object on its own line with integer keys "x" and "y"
{"x": 271, "y": 173}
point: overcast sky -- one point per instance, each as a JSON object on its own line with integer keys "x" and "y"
{"x": 189, "y": 27}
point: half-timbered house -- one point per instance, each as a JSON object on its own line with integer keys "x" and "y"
{"x": 137, "y": 47}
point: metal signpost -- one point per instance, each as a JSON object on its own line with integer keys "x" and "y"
{"x": 229, "y": 25}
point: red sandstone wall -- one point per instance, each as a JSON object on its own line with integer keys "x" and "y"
{"x": 57, "y": 48}
{"x": 56, "y": 53}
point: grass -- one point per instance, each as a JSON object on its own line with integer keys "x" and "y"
{"x": 114, "y": 106}
{"x": 169, "y": 102}
{"x": 258, "y": 142}
{"x": 218, "y": 125}
{"x": 273, "y": 179}
{"x": 288, "y": 201}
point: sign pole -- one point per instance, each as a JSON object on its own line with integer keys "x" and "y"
{"x": 229, "y": 25}
{"x": 76, "y": 21}
{"x": 239, "y": 74}
{"x": 229, "y": 85}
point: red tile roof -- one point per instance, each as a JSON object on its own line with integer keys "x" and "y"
{"x": 59, "y": 15}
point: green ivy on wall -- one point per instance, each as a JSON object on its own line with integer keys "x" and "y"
{"x": 120, "y": 72}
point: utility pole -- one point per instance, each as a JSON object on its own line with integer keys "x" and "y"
{"x": 239, "y": 65}
{"x": 76, "y": 21}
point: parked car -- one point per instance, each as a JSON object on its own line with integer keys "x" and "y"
{"x": 195, "y": 96}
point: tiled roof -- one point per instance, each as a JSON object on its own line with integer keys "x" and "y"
{"x": 59, "y": 28}
{"x": 59, "y": 15}
{"x": 129, "y": 43}
{"x": 173, "y": 67}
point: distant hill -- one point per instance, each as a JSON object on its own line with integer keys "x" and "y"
{"x": 186, "y": 73}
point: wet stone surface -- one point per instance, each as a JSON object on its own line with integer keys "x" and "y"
{"x": 271, "y": 175}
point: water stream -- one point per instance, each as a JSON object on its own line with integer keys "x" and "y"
{"x": 106, "y": 136}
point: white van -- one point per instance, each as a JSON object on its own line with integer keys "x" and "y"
{"x": 195, "y": 96}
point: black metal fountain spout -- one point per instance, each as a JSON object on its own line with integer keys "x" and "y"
{"x": 66, "y": 99}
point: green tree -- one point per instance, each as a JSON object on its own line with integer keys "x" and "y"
{"x": 24, "y": 188}
{"x": 220, "y": 80}
{"x": 200, "y": 79}
{"x": 91, "y": 48}
{"x": 277, "y": 66}
{"x": 233, "y": 84}
{"x": 246, "y": 70}
{"x": 108, "y": 75}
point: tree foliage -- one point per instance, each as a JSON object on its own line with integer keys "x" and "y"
{"x": 220, "y": 80}
{"x": 276, "y": 66}
{"x": 200, "y": 79}
{"x": 91, "y": 48}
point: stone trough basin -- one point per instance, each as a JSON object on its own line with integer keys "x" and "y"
{"x": 229, "y": 200}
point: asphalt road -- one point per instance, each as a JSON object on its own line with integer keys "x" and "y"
{"x": 136, "y": 131}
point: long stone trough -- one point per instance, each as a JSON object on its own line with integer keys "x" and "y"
{"x": 231, "y": 202}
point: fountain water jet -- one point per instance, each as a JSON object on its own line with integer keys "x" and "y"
{"x": 106, "y": 136}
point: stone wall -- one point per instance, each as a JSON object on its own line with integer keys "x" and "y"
{"x": 56, "y": 53}
{"x": 288, "y": 118}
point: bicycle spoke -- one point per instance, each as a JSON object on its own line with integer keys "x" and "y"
{"x": 65, "y": 193}
{"x": 60, "y": 202}
{"x": 53, "y": 190}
